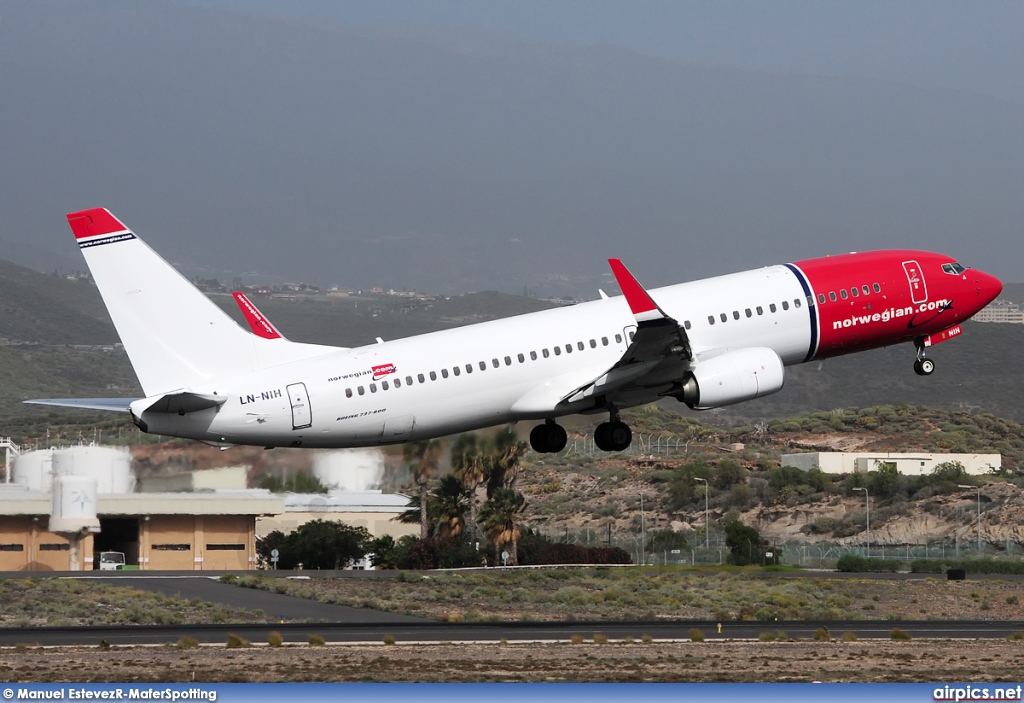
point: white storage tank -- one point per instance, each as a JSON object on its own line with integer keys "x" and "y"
{"x": 73, "y": 505}
{"x": 34, "y": 470}
{"x": 110, "y": 466}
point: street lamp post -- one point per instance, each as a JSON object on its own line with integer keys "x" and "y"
{"x": 707, "y": 522}
{"x": 643, "y": 545}
{"x": 978, "y": 488}
{"x": 867, "y": 521}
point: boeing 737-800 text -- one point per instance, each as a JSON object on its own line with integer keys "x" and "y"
{"x": 708, "y": 343}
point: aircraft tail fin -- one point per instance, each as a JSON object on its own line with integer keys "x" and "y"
{"x": 175, "y": 336}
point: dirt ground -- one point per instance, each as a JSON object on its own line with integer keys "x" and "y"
{"x": 864, "y": 661}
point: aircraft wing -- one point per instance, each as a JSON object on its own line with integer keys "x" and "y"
{"x": 658, "y": 339}
{"x": 117, "y": 404}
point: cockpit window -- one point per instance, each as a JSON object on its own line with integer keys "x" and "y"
{"x": 954, "y": 269}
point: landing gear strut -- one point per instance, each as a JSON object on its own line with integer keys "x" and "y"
{"x": 614, "y": 435}
{"x": 548, "y": 438}
{"x": 923, "y": 366}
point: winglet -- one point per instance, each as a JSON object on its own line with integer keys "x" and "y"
{"x": 641, "y": 304}
{"x": 258, "y": 322}
{"x": 94, "y": 222}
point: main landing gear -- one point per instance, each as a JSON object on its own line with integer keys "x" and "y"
{"x": 923, "y": 366}
{"x": 613, "y": 436}
{"x": 548, "y": 438}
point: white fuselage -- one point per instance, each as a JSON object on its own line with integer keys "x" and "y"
{"x": 488, "y": 373}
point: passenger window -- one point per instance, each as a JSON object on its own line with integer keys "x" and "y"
{"x": 533, "y": 356}
{"x": 748, "y": 313}
{"x": 771, "y": 307}
{"x": 785, "y": 305}
{"x": 810, "y": 301}
{"x": 398, "y": 383}
{"x": 760, "y": 310}
{"x": 604, "y": 341}
{"x": 419, "y": 377}
{"x": 508, "y": 361}
{"x": 796, "y": 302}
{"x": 832, "y": 295}
{"x": 373, "y": 387}
{"x": 444, "y": 373}
{"x": 568, "y": 349}
{"x": 875, "y": 287}
{"x": 843, "y": 294}
{"x": 735, "y": 314}
{"x": 711, "y": 319}
{"x": 580, "y": 346}
{"x": 456, "y": 370}
{"x": 521, "y": 358}
{"x": 593, "y": 344}
{"x": 854, "y": 292}
{"x": 867, "y": 291}
{"x": 361, "y": 390}
{"x": 408, "y": 380}
{"x": 469, "y": 368}
{"x": 724, "y": 317}
{"x": 384, "y": 385}
{"x": 686, "y": 324}
{"x": 433, "y": 376}
{"x": 618, "y": 339}
{"x": 544, "y": 353}
{"x": 821, "y": 298}
{"x": 632, "y": 335}
{"x": 348, "y": 392}
{"x": 558, "y": 351}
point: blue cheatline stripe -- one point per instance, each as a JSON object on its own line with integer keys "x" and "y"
{"x": 811, "y": 310}
{"x": 123, "y": 236}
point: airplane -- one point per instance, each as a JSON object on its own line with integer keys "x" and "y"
{"x": 707, "y": 343}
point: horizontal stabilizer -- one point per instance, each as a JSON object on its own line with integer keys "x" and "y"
{"x": 119, "y": 404}
{"x": 181, "y": 403}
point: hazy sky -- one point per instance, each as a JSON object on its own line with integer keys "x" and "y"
{"x": 970, "y": 45}
{"x": 400, "y": 144}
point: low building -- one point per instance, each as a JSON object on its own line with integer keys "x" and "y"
{"x": 1000, "y": 311}
{"x": 213, "y": 530}
{"x": 908, "y": 464}
{"x": 374, "y": 510}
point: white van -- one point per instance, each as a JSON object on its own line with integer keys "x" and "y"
{"x": 111, "y": 561}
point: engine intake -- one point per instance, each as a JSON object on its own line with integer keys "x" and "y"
{"x": 731, "y": 377}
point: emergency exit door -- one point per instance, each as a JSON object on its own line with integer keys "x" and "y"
{"x": 301, "y": 415}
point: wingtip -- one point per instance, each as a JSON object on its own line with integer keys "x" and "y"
{"x": 94, "y": 222}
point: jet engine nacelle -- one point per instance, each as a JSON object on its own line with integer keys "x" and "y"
{"x": 731, "y": 377}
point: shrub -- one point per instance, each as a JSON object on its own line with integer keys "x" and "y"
{"x": 1011, "y": 600}
{"x": 1015, "y": 636}
{"x": 104, "y": 644}
{"x": 576, "y": 639}
{"x": 849, "y": 637}
{"x": 767, "y": 637}
{"x": 235, "y": 641}
{"x": 188, "y": 643}
{"x": 228, "y": 578}
{"x": 898, "y": 635}
{"x": 822, "y": 635}
{"x": 854, "y": 563}
{"x": 274, "y": 639}
{"x": 646, "y": 639}
{"x": 316, "y": 641}
{"x": 600, "y": 639}
{"x": 389, "y": 640}
{"x": 696, "y": 635}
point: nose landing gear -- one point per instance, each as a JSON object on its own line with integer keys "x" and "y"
{"x": 923, "y": 366}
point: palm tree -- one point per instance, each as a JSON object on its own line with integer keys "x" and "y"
{"x": 469, "y": 464}
{"x": 422, "y": 458}
{"x": 505, "y": 453}
{"x": 449, "y": 506}
{"x": 499, "y": 517}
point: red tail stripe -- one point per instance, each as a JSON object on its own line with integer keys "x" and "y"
{"x": 90, "y": 223}
{"x": 635, "y": 294}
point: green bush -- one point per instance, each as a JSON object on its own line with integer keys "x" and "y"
{"x": 898, "y": 635}
{"x": 235, "y": 641}
{"x": 971, "y": 566}
{"x": 696, "y": 635}
{"x": 854, "y": 563}
{"x": 316, "y": 641}
{"x": 389, "y": 639}
{"x": 274, "y": 639}
{"x": 188, "y": 643}
{"x": 822, "y": 635}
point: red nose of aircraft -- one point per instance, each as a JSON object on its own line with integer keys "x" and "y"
{"x": 989, "y": 287}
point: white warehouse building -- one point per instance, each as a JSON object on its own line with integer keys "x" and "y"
{"x": 910, "y": 464}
